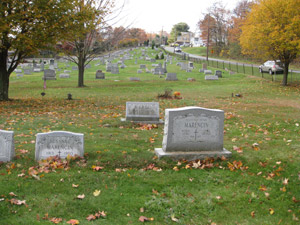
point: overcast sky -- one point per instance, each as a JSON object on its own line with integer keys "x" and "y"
{"x": 155, "y": 15}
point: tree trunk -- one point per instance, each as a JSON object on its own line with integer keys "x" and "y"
{"x": 80, "y": 73}
{"x": 285, "y": 74}
{"x": 4, "y": 76}
{"x": 81, "y": 62}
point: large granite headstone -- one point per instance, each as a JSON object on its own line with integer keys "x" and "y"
{"x": 49, "y": 75}
{"x": 7, "y": 147}
{"x": 58, "y": 143}
{"x": 193, "y": 133}
{"x": 171, "y": 77}
{"x": 145, "y": 112}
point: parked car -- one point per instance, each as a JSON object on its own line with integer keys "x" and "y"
{"x": 271, "y": 67}
{"x": 177, "y": 49}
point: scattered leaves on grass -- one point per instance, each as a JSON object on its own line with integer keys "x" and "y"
{"x": 96, "y": 193}
{"x": 271, "y": 210}
{"x": 96, "y": 216}
{"x": 295, "y": 200}
{"x": 285, "y": 181}
{"x": 144, "y": 218}
{"x": 255, "y": 146}
{"x": 173, "y": 218}
{"x": 73, "y": 222}
{"x": 14, "y": 201}
{"x": 238, "y": 149}
{"x": 80, "y": 196}
{"x": 236, "y": 165}
{"x": 75, "y": 185}
{"x": 55, "y": 220}
{"x": 97, "y": 168}
{"x": 252, "y": 214}
{"x": 12, "y": 194}
{"x": 146, "y": 126}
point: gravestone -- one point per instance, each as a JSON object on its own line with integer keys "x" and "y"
{"x": 19, "y": 75}
{"x": 191, "y": 79}
{"x": 206, "y": 72}
{"x": 36, "y": 70}
{"x": 218, "y": 73}
{"x": 49, "y": 75}
{"x": 204, "y": 66}
{"x": 18, "y": 70}
{"x": 171, "y": 77}
{"x": 193, "y": 133}
{"x": 74, "y": 68}
{"x": 108, "y": 67}
{"x": 7, "y": 147}
{"x": 88, "y": 66}
{"x": 152, "y": 60}
{"x": 100, "y": 74}
{"x": 115, "y": 69}
{"x": 64, "y": 75}
{"x": 146, "y": 112}
{"x": 67, "y": 71}
{"x": 191, "y": 65}
{"x": 27, "y": 71}
{"x": 139, "y": 71}
{"x": 134, "y": 79}
{"x": 211, "y": 77}
{"x": 51, "y": 62}
{"x": 165, "y": 67}
{"x": 142, "y": 66}
{"x": 58, "y": 143}
{"x": 201, "y": 70}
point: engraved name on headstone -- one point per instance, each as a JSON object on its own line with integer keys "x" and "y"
{"x": 142, "y": 112}
{"x": 58, "y": 143}
{"x": 193, "y": 133}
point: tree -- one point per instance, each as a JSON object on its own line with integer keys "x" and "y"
{"x": 176, "y": 31}
{"x": 94, "y": 34}
{"x": 236, "y": 21}
{"x": 27, "y": 26}
{"x": 272, "y": 31}
{"x": 216, "y": 23}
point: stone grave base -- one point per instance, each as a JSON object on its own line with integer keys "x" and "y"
{"x": 192, "y": 155}
{"x": 146, "y": 122}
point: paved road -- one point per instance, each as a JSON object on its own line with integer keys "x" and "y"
{"x": 171, "y": 49}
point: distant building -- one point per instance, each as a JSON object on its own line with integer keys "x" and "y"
{"x": 185, "y": 38}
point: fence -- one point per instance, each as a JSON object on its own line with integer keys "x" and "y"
{"x": 250, "y": 69}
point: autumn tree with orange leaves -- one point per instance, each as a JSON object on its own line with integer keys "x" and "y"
{"x": 272, "y": 31}
{"x": 26, "y": 27}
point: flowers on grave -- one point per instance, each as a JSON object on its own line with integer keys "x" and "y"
{"x": 176, "y": 94}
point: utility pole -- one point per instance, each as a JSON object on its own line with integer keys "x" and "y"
{"x": 207, "y": 44}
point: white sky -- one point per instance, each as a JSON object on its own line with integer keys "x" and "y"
{"x": 155, "y": 15}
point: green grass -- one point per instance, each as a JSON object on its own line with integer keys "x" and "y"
{"x": 267, "y": 114}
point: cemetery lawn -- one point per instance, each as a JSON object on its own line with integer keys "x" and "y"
{"x": 121, "y": 177}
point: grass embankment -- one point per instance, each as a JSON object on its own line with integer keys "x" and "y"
{"x": 258, "y": 185}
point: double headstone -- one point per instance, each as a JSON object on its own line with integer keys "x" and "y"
{"x": 58, "y": 143}
{"x": 7, "y": 148}
{"x": 193, "y": 133}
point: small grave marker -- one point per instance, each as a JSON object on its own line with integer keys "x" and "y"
{"x": 7, "y": 147}
{"x": 58, "y": 143}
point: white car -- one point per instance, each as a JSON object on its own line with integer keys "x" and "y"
{"x": 271, "y": 67}
{"x": 177, "y": 49}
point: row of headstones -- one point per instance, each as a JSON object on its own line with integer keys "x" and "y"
{"x": 189, "y": 133}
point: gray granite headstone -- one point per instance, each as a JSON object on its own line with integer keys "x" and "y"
{"x": 7, "y": 147}
{"x": 74, "y": 68}
{"x": 218, "y": 73}
{"x": 58, "y": 143}
{"x": 147, "y": 112}
{"x": 134, "y": 79}
{"x": 64, "y": 75}
{"x": 27, "y": 71}
{"x": 171, "y": 77}
{"x": 206, "y": 72}
{"x": 204, "y": 66}
{"x": 139, "y": 71}
{"x": 142, "y": 66}
{"x": 49, "y": 75}
{"x": 193, "y": 133}
{"x": 100, "y": 74}
{"x": 211, "y": 77}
